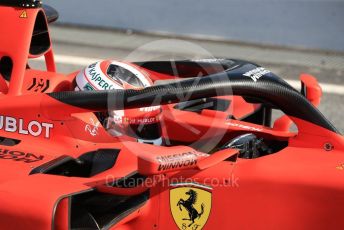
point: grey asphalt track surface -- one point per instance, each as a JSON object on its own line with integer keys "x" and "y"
{"x": 90, "y": 44}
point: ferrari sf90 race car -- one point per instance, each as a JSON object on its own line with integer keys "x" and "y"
{"x": 158, "y": 145}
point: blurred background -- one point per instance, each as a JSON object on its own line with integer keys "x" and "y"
{"x": 289, "y": 37}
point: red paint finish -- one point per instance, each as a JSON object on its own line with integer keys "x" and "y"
{"x": 298, "y": 187}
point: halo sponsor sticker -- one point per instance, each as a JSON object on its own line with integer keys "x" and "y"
{"x": 256, "y": 73}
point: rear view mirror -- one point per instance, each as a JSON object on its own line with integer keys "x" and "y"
{"x": 311, "y": 89}
{"x": 51, "y": 13}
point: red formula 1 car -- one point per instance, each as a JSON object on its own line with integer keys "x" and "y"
{"x": 224, "y": 165}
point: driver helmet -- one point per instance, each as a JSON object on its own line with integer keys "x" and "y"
{"x": 143, "y": 124}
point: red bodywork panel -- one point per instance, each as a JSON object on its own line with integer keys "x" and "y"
{"x": 299, "y": 187}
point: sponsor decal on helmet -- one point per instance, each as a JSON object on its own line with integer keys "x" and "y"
{"x": 33, "y": 128}
{"x": 190, "y": 205}
{"x": 15, "y": 155}
{"x": 88, "y": 87}
{"x": 256, "y": 73}
{"x": 97, "y": 78}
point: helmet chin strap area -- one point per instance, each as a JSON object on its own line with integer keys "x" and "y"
{"x": 157, "y": 141}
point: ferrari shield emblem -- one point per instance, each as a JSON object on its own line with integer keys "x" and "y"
{"x": 190, "y": 206}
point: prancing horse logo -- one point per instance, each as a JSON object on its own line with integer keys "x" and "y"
{"x": 190, "y": 206}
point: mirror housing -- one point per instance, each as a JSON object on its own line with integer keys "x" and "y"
{"x": 311, "y": 89}
{"x": 51, "y": 13}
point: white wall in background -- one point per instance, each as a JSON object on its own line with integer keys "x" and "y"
{"x": 305, "y": 23}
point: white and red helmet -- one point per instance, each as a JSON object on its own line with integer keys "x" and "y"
{"x": 143, "y": 123}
